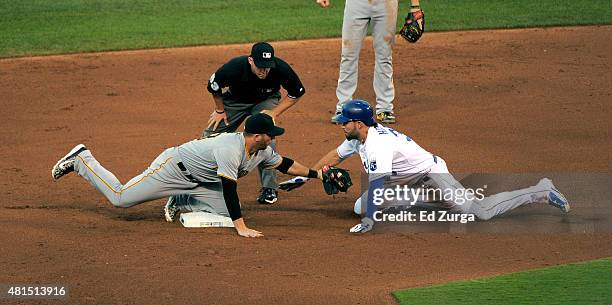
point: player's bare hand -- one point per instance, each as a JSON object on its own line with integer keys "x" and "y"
{"x": 215, "y": 119}
{"x": 323, "y": 3}
{"x": 246, "y": 232}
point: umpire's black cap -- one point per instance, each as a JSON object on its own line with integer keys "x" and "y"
{"x": 263, "y": 55}
{"x": 262, "y": 123}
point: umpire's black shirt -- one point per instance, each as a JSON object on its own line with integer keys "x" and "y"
{"x": 245, "y": 87}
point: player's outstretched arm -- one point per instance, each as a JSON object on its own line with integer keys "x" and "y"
{"x": 302, "y": 173}
{"x": 294, "y": 168}
{"x": 298, "y": 169}
{"x": 334, "y": 179}
{"x": 330, "y": 159}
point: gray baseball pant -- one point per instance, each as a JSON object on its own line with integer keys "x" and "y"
{"x": 162, "y": 179}
{"x": 358, "y": 14}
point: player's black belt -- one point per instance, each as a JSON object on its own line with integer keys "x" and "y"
{"x": 435, "y": 158}
{"x": 186, "y": 173}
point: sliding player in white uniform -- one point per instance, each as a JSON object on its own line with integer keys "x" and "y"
{"x": 391, "y": 158}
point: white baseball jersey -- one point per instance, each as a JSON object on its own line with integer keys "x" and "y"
{"x": 388, "y": 152}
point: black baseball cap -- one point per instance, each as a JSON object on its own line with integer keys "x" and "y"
{"x": 262, "y": 123}
{"x": 263, "y": 55}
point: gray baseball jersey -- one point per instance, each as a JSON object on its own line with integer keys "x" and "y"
{"x": 190, "y": 172}
{"x": 224, "y": 155}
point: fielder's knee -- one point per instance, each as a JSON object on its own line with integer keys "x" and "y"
{"x": 118, "y": 202}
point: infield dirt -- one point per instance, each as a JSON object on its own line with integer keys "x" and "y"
{"x": 510, "y": 101}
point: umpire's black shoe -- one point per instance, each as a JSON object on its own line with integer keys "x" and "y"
{"x": 267, "y": 196}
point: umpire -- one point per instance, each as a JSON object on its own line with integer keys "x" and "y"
{"x": 253, "y": 85}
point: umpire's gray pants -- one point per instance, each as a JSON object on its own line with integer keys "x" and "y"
{"x": 358, "y": 14}
{"x": 163, "y": 178}
{"x": 236, "y": 114}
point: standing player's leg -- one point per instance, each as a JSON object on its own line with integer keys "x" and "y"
{"x": 383, "y": 33}
{"x": 269, "y": 183}
{"x": 354, "y": 28}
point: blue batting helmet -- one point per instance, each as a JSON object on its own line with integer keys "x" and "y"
{"x": 357, "y": 110}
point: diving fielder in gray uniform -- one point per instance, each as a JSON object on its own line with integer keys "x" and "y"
{"x": 201, "y": 174}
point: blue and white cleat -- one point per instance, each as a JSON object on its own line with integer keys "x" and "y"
{"x": 555, "y": 198}
{"x": 65, "y": 165}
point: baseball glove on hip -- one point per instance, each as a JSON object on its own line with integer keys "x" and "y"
{"x": 336, "y": 180}
{"x": 414, "y": 26}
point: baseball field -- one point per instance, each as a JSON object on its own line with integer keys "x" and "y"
{"x": 526, "y": 91}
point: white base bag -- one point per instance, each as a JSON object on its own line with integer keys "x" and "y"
{"x": 205, "y": 220}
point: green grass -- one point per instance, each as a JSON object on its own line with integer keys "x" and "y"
{"x": 37, "y": 27}
{"x": 581, "y": 283}
{"x": 63, "y": 26}
{"x": 480, "y": 14}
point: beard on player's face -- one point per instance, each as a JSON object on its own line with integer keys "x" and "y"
{"x": 354, "y": 135}
{"x": 263, "y": 142}
{"x": 351, "y": 132}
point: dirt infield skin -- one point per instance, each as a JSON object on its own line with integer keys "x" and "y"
{"x": 535, "y": 100}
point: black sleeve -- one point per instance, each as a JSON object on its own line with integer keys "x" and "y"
{"x": 285, "y": 165}
{"x": 290, "y": 81}
{"x": 222, "y": 77}
{"x": 230, "y": 195}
